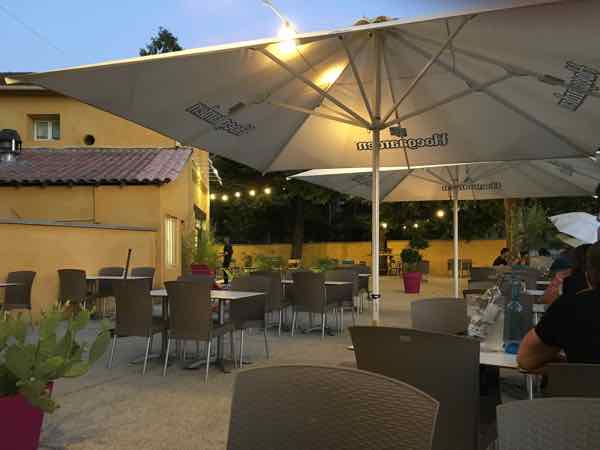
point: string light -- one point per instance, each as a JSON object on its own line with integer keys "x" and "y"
{"x": 440, "y": 213}
{"x": 252, "y": 193}
{"x": 225, "y": 197}
{"x": 268, "y": 191}
{"x": 238, "y": 194}
{"x": 213, "y": 196}
{"x": 415, "y": 225}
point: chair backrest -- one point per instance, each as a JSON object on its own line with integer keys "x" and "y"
{"x": 133, "y": 307}
{"x": 251, "y": 309}
{"x": 143, "y": 272}
{"x": 572, "y": 380}
{"x": 483, "y": 273}
{"x": 190, "y": 313}
{"x": 19, "y": 296}
{"x": 105, "y": 287}
{"x": 349, "y": 275}
{"x": 309, "y": 291}
{"x": 442, "y": 315}
{"x": 73, "y": 285}
{"x": 441, "y": 365}
{"x": 193, "y": 278}
{"x": 274, "y": 301}
{"x": 550, "y": 424}
{"x": 347, "y": 261}
{"x": 314, "y": 408}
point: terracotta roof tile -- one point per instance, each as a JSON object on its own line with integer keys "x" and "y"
{"x": 92, "y": 166}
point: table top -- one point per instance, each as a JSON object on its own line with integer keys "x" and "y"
{"x": 497, "y": 359}
{"x": 543, "y": 282}
{"x": 537, "y": 292}
{"x": 112, "y": 277}
{"x": 6, "y": 284}
{"x": 539, "y": 307}
{"x": 364, "y": 275}
{"x": 327, "y": 283}
{"x": 215, "y": 294}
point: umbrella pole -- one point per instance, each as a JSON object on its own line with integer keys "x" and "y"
{"x": 375, "y": 229}
{"x": 455, "y": 221}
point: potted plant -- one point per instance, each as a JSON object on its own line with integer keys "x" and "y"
{"x": 411, "y": 261}
{"x": 200, "y": 253}
{"x": 31, "y": 362}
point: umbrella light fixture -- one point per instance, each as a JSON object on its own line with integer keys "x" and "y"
{"x": 478, "y": 84}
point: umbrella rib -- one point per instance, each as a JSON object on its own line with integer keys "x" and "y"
{"x": 514, "y": 108}
{"x": 378, "y": 51}
{"x": 314, "y": 113}
{"x": 393, "y": 96}
{"x": 361, "y": 86}
{"x": 579, "y": 172}
{"x": 426, "y": 68}
{"x": 509, "y": 67}
{"x": 313, "y": 86}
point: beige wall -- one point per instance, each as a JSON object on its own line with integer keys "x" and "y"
{"x": 49, "y": 203}
{"x": 45, "y": 249}
{"x": 482, "y": 252}
{"x": 76, "y": 120}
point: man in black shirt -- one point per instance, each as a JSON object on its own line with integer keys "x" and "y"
{"x": 571, "y": 324}
{"x": 227, "y": 254}
{"x": 502, "y": 260}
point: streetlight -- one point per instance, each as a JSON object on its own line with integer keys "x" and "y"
{"x": 440, "y": 213}
{"x": 267, "y": 190}
{"x": 225, "y": 197}
{"x": 238, "y": 194}
{"x": 251, "y": 192}
{"x": 287, "y": 31}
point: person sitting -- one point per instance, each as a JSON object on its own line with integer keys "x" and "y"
{"x": 542, "y": 262}
{"x": 502, "y": 260}
{"x": 577, "y": 280}
{"x": 571, "y": 324}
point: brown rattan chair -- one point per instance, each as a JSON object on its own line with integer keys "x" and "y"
{"x": 134, "y": 316}
{"x": 572, "y": 380}
{"x": 343, "y": 295}
{"x": 105, "y": 287}
{"x": 315, "y": 408}
{"x": 442, "y": 315}
{"x": 146, "y": 272}
{"x": 441, "y": 365}
{"x": 549, "y": 424}
{"x": 276, "y": 300}
{"x": 73, "y": 287}
{"x": 191, "y": 318}
{"x": 309, "y": 295}
{"x": 19, "y": 297}
{"x": 251, "y": 312}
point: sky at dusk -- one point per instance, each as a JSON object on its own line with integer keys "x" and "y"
{"x": 38, "y": 35}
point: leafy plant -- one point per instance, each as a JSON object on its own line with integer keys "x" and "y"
{"x": 30, "y": 361}
{"x": 418, "y": 242}
{"x": 325, "y": 264}
{"x": 411, "y": 259}
{"x": 264, "y": 263}
{"x": 532, "y": 229}
{"x": 200, "y": 249}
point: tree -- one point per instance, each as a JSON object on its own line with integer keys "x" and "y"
{"x": 163, "y": 42}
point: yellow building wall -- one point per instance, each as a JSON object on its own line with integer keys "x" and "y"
{"x": 51, "y": 203}
{"x": 128, "y": 205}
{"x": 76, "y": 120}
{"x": 481, "y": 252}
{"x": 45, "y": 249}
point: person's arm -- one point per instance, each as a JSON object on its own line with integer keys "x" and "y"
{"x": 533, "y": 353}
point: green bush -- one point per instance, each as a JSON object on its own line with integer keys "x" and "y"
{"x": 411, "y": 259}
{"x": 28, "y": 362}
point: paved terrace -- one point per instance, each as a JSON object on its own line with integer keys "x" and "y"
{"x": 121, "y": 409}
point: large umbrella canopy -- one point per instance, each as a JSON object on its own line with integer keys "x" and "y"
{"x": 580, "y": 225}
{"x": 475, "y": 181}
{"x": 487, "y": 84}
{"x": 576, "y": 177}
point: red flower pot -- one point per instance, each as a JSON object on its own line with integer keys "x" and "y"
{"x": 203, "y": 269}
{"x": 412, "y": 282}
{"x": 21, "y": 422}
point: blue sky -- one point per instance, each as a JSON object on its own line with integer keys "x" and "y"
{"x": 87, "y": 31}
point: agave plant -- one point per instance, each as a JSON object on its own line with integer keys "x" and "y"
{"x": 30, "y": 361}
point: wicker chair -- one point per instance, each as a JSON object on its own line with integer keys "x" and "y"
{"x": 19, "y": 297}
{"x": 550, "y": 424}
{"x": 146, "y": 272}
{"x": 191, "y": 317}
{"x": 343, "y": 295}
{"x": 442, "y": 315}
{"x": 276, "y": 300}
{"x": 310, "y": 296}
{"x": 315, "y": 408}
{"x": 572, "y": 380}
{"x": 134, "y": 316}
{"x": 251, "y": 312}
{"x": 441, "y": 365}
{"x": 73, "y": 287}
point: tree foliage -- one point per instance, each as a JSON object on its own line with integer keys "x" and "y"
{"x": 163, "y": 42}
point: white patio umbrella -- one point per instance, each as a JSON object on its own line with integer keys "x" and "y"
{"x": 475, "y": 181}
{"x": 580, "y": 225}
{"x": 484, "y": 84}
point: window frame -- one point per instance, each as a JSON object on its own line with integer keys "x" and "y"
{"x": 53, "y": 123}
